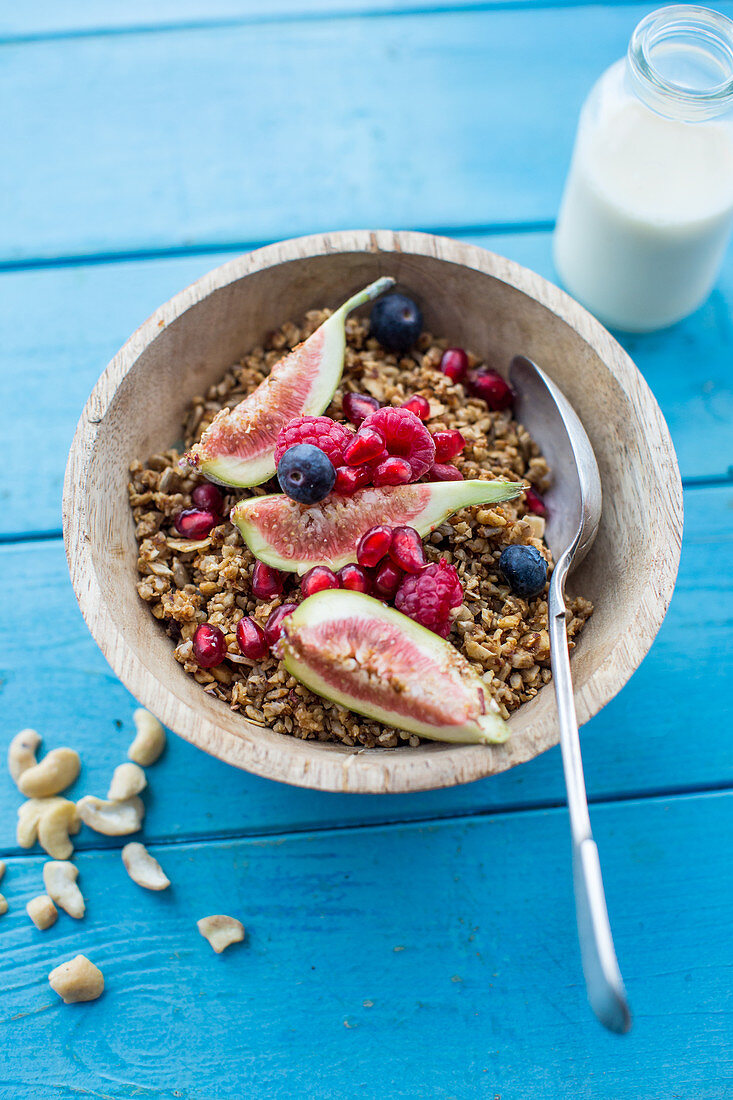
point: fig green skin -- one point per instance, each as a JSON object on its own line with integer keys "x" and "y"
{"x": 400, "y": 674}
{"x": 238, "y": 447}
{"x": 328, "y": 533}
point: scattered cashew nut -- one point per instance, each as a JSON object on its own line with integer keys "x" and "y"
{"x": 59, "y": 878}
{"x": 143, "y": 868}
{"x": 111, "y": 818}
{"x": 22, "y": 752}
{"x": 54, "y": 826}
{"x": 77, "y": 980}
{"x": 29, "y": 816}
{"x": 150, "y": 740}
{"x": 57, "y": 771}
{"x": 42, "y": 912}
{"x": 128, "y": 779}
{"x": 221, "y": 931}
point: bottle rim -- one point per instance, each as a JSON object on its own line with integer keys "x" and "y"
{"x": 712, "y": 35}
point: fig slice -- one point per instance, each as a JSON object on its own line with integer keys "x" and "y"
{"x": 295, "y": 537}
{"x": 350, "y": 648}
{"x": 238, "y": 446}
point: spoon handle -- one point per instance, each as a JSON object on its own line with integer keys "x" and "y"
{"x": 603, "y": 980}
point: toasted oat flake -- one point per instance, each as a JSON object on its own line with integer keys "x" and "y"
{"x": 188, "y": 582}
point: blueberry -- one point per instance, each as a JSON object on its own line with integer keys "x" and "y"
{"x": 525, "y": 570}
{"x": 396, "y": 321}
{"x": 306, "y": 473}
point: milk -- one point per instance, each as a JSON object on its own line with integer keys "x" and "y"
{"x": 646, "y": 213}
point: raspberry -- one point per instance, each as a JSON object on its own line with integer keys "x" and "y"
{"x": 428, "y": 597}
{"x": 329, "y": 435}
{"x": 405, "y": 436}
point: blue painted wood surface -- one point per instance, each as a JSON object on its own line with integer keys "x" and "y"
{"x": 405, "y": 946}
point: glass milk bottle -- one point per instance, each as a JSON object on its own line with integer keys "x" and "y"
{"x": 648, "y": 203}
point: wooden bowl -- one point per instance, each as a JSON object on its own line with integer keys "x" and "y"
{"x": 474, "y": 298}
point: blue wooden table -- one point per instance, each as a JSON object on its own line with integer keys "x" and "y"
{"x": 398, "y": 946}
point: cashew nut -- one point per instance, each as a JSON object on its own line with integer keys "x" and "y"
{"x": 59, "y": 878}
{"x": 54, "y": 826}
{"x": 42, "y": 912}
{"x": 221, "y": 931}
{"x": 77, "y": 980}
{"x": 128, "y": 779}
{"x": 111, "y": 818}
{"x": 143, "y": 868}
{"x": 22, "y": 752}
{"x": 150, "y": 740}
{"x": 29, "y": 816}
{"x": 57, "y": 771}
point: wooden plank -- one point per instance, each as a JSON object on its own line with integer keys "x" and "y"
{"x": 640, "y": 743}
{"x": 408, "y": 961}
{"x": 205, "y": 136}
{"x": 50, "y": 18}
{"x": 59, "y": 327}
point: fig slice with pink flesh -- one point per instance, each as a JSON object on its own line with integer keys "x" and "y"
{"x": 238, "y": 447}
{"x": 295, "y": 537}
{"x": 350, "y": 648}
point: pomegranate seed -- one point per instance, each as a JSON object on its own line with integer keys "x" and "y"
{"x": 495, "y": 391}
{"x": 367, "y": 444}
{"x": 406, "y": 550}
{"x": 373, "y": 546}
{"x": 357, "y": 406}
{"x": 388, "y": 579}
{"x": 534, "y": 502}
{"x": 448, "y": 444}
{"x": 209, "y": 645}
{"x": 193, "y": 524}
{"x": 418, "y": 405}
{"x": 317, "y": 579}
{"x": 393, "y": 471}
{"x": 266, "y": 582}
{"x": 443, "y": 471}
{"x": 208, "y": 498}
{"x": 251, "y": 638}
{"x": 354, "y": 578}
{"x": 351, "y": 478}
{"x": 454, "y": 363}
{"x": 274, "y": 624}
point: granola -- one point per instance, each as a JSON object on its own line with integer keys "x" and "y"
{"x": 188, "y": 582}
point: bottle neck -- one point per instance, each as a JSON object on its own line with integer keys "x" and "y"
{"x": 680, "y": 63}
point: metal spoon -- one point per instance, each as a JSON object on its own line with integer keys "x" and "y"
{"x": 573, "y": 520}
